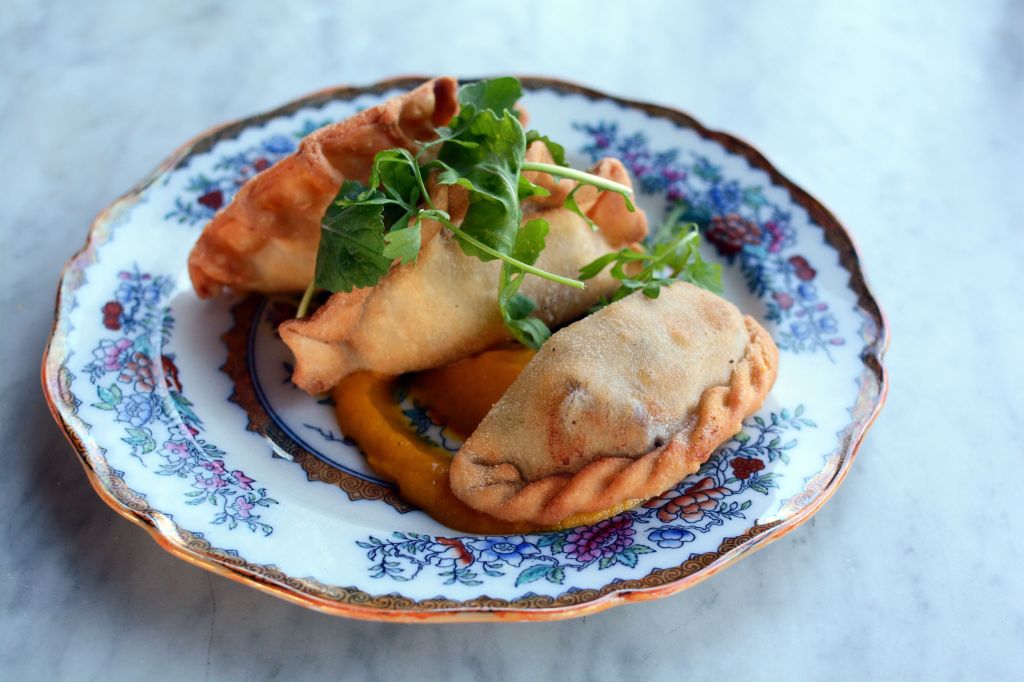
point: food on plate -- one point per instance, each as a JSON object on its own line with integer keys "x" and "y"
{"x": 447, "y": 242}
{"x": 458, "y": 395}
{"x": 620, "y": 405}
{"x": 266, "y": 239}
{"x": 444, "y": 306}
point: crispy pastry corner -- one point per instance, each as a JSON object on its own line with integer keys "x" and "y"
{"x": 266, "y": 239}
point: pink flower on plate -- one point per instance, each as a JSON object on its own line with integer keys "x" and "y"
{"x": 243, "y": 507}
{"x": 784, "y": 300}
{"x": 183, "y": 431}
{"x": 112, "y": 354}
{"x": 177, "y": 449}
{"x": 242, "y": 480}
{"x": 607, "y": 538}
{"x": 210, "y": 485}
{"x": 215, "y": 465}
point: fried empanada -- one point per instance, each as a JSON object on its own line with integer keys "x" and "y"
{"x": 621, "y": 405}
{"x": 266, "y": 239}
{"x": 444, "y": 306}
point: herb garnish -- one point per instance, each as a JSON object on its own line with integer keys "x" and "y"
{"x": 482, "y": 149}
{"x": 672, "y": 256}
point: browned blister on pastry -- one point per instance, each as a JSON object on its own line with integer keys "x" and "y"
{"x": 266, "y": 239}
{"x": 444, "y": 307}
{"x": 621, "y": 405}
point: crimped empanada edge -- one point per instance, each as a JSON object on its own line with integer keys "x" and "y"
{"x": 607, "y": 481}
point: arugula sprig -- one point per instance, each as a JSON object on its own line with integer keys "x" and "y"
{"x": 672, "y": 257}
{"x": 482, "y": 149}
{"x": 516, "y": 307}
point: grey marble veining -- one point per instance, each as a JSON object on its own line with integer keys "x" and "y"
{"x": 906, "y": 120}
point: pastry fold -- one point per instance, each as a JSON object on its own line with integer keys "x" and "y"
{"x": 621, "y": 405}
{"x": 266, "y": 239}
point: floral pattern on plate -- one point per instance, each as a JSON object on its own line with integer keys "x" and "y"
{"x": 207, "y": 193}
{"x": 159, "y": 420}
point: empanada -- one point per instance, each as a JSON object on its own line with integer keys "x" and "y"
{"x": 266, "y": 239}
{"x": 444, "y": 306}
{"x": 621, "y": 405}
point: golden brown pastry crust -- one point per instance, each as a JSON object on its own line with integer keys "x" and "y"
{"x": 266, "y": 239}
{"x": 572, "y": 456}
{"x": 445, "y": 306}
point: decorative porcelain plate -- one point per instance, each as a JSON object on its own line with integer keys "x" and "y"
{"x": 184, "y": 417}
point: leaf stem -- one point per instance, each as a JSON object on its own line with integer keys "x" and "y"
{"x": 307, "y": 296}
{"x": 579, "y": 176}
{"x": 567, "y": 281}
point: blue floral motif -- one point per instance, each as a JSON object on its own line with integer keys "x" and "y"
{"x": 211, "y": 192}
{"x": 137, "y": 409}
{"x": 145, "y": 394}
{"x": 428, "y": 429}
{"x": 670, "y": 537}
{"x": 745, "y": 227}
{"x": 720, "y": 491}
{"x": 510, "y": 550}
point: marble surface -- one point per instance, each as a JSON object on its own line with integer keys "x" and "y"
{"x": 906, "y": 121}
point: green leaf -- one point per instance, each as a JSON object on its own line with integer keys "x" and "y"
{"x": 496, "y": 94}
{"x": 350, "y": 189}
{"x": 530, "y": 241}
{"x": 396, "y": 172}
{"x": 641, "y": 549}
{"x": 492, "y": 170}
{"x": 515, "y": 307}
{"x": 627, "y": 557}
{"x": 103, "y": 406}
{"x": 752, "y": 197}
{"x": 403, "y": 244}
{"x": 557, "y": 150}
{"x": 531, "y": 574}
{"x": 527, "y": 189}
{"x": 555, "y": 574}
{"x": 548, "y": 539}
{"x": 351, "y": 248}
{"x": 519, "y": 306}
{"x": 594, "y": 267}
{"x": 705, "y": 275}
{"x": 530, "y": 332}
